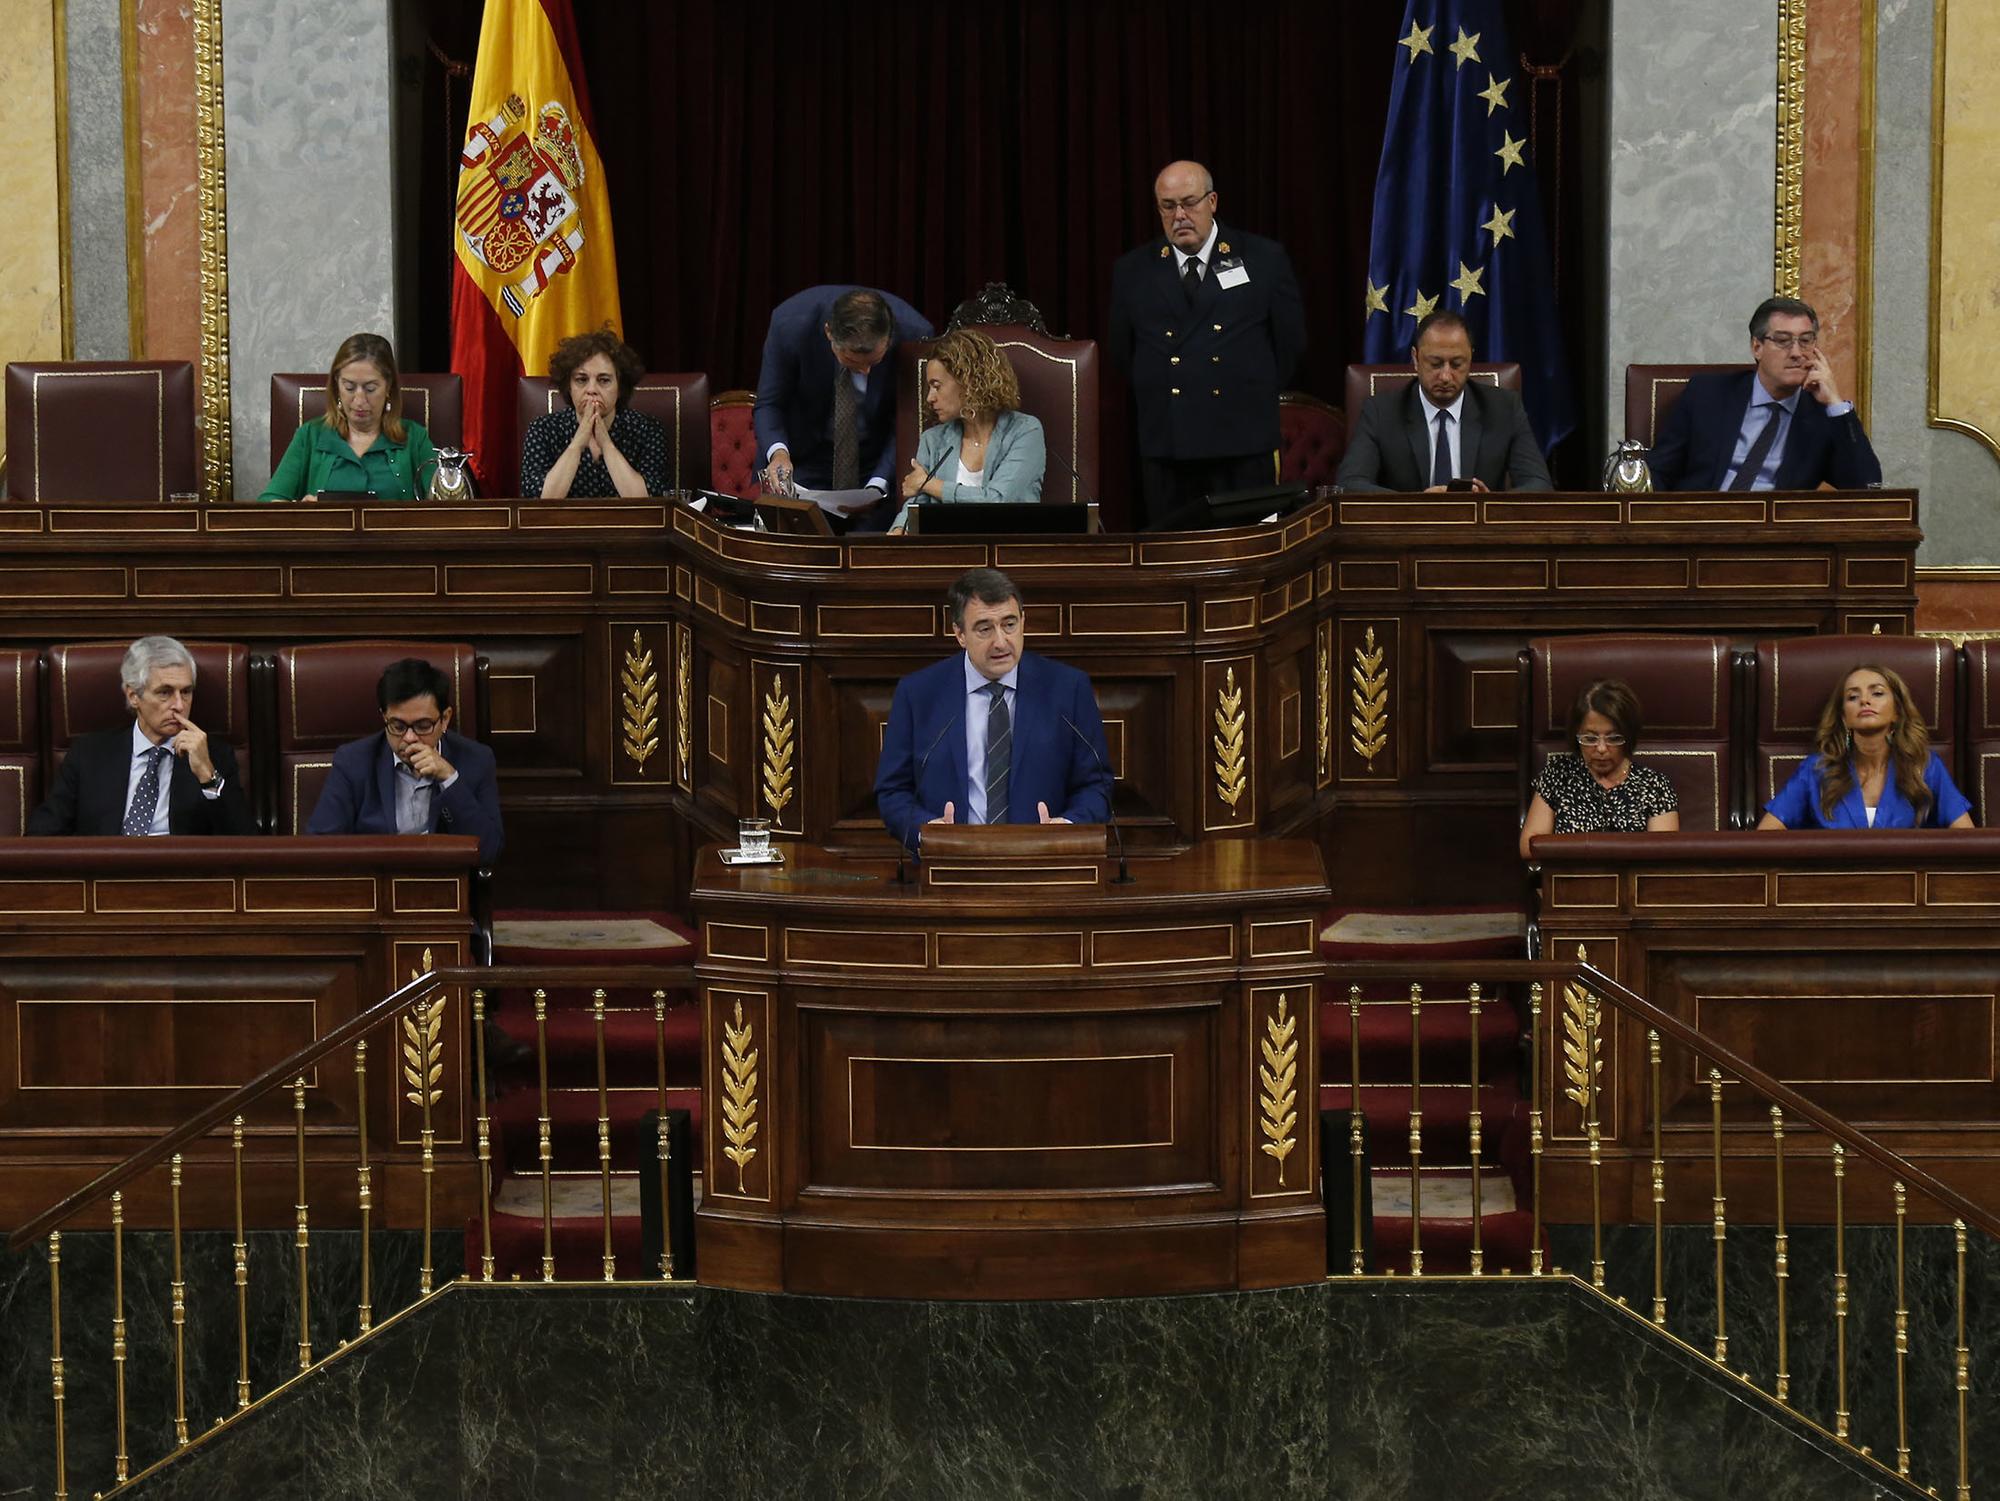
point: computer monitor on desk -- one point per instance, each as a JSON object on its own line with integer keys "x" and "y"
{"x": 1002, "y": 518}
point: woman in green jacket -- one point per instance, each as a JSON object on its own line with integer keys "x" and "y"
{"x": 362, "y": 444}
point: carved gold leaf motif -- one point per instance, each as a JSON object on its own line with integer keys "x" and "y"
{"x": 739, "y": 1093}
{"x": 423, "y": 1049}
{"x": 1370, "y": 718}
{"x": 1278, "y": 1074}
{"x": 1325, "y": 704}
{"x": 684, "y": 702}
{"x": 1582, "y": 1048}
{"x": 640, "y": 699}
{"x": 778, "y": 747}
{"x": 1230, "y": 767}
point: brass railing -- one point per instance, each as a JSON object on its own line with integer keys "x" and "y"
{"x": 1581, "y": 996}
{"x": 414, "y": 1011}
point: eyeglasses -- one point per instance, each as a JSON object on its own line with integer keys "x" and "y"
{"x": 1786, "y": 341}
{"x": 1168, "y": 205}
{"x": 399, "y": 728}
{"x": 1600, "y": 742}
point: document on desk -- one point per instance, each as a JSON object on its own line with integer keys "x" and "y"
{"x": 841, "y": 502}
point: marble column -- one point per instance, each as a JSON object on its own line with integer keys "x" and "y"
{"x": 95, "y": 55}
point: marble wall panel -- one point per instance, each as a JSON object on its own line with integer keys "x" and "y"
{"x": 1967, "y": 314}
{"x": 311, "y": 223}
{"x": 96, "y": 145}
{"x": 1692, "y": 163}
{"x": 31, "y": 305}
{"x": 170, "y": 196}
{"x": 1839, "y": 141}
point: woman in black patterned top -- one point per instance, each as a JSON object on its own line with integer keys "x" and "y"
{"x": 599, "y": 446}
{"x": 1598, "y": 789}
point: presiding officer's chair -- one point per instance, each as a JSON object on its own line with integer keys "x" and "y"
{"x": 733, "y": 459}
{"x": 1981, "y": 759}
{"x": 436, "y": 399}
{"x": 677, "y": 401}
{"x": 85, "y": 696}
{"x": 1796, "y": 674}
{"x": 100, "y": 430}
{"x": 1364, "y": 381}
{"x": 20, "y": 737}
{"x": 1312, "y": 437}
{"x": 1652, "y": 390}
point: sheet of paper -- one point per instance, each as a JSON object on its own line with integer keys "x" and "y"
{"x": 840, "y": 502}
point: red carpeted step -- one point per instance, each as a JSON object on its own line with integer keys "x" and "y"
{"x": 578, "y": 1242}
{"x": 534, "y": 936}
{"x": 573, "y": 1127}
{"x": 1444, "y": 1033}
{"x": 1447, "y": 1117}
{"x": 630, "y": 1047}
{"x": 1493, "y": 932}
{"x": 1504, "y": 1238}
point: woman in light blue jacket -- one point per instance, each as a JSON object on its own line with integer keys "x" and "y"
{"x": 984, "y": 447}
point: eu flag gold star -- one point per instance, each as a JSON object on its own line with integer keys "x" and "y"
{"x": 1501, "y": 225}
{"x": 1377, "y": 301}
{"x": 1509, "y": 153}
{"x": 1495, "y": 93}
{"x": 1423, "y": 307}
{"x": 1419, "y": 39}
{"x": 1467, "y": 284}
{"x": 1465, "y": 48}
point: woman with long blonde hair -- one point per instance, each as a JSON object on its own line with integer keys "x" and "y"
{"x": 1875, "y": 768}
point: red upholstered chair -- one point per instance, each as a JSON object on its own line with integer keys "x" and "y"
{"x": 100, "y": 430}
{"x": 679, "y": 403}
{"x": 1059, "y": 382}
{"x": 1686, "y": 691}
{"x": 20, "y": 737}
{"x": 1795, "y": 675}
{"x": 1652, "y": 390}
{"x": 1312, "y": 436}
{"x": 733, "y": 460}
{"x": 436, "y": 400}
{"x": 85, "y": 696}
{"x": 1364, "y": 381}
{"x": 326, "y": 697}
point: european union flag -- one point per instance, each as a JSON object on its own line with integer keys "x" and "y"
{"x": 1458, "y": 218}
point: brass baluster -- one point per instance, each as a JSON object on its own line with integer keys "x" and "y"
{"x": 1659, "y": 1186}
{"x": 364, "y": 1190}
{"x": 485, "y": 1141}
{"x": 1783, "y": 1390}
{"x": 241, "y": 1253}
{"x": 547, "y": 1150}
{"x": 1840, "y": 1414}
{"x": 1535, "y": 1125}
{"x": 1721, "y": 1214}
{"x": 1356, "y": 1126}
{"x": 120, "y": 1460}
{"x": 1902, "y": 1340}
{"x": 425, "y": 1010}
{"x": 666, "y": 1137}
{"x": 1591, "y": 1017}
{"x": 1473, "y": 1124}
{"x": 603, "y": 1133}
{"x": 56, "y": 1362}
{"x": 1963, "y": 1364}
{"x": 1416, "y": 1131}
{"x": 179, "y": 1294}
{"x": 302, "y": 1240}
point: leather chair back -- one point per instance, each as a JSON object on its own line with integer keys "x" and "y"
{"x": 1981, "y": 781}
{"x": 1652, "y": 390}
{"x": 437, "y": 400}
{"x": 326, "y": 697}
{"x": 1796, "y": 675}
{"x": 100, "y": 430}
{"x": 85, "y": 696}
{"x": 1685, "y": 687}
{"x": 20, "y": 737}
{"x": 1059, "y": 381}
{"x": 678, "y": 402}
{"x": 733, "y": 460}
{"x": 1312, "y": 436}
{"x": 1364, "y": 381}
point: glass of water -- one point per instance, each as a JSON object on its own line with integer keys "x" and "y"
{"x": 753, "y": 838}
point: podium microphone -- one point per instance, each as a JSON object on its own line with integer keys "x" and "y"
{"x": 1068, "y": 468}
{"x": 902, "y": 840}
{"x": 920, "y": 500}
{"x": 1110, "y": 812}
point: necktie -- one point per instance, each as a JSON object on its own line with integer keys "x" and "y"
{"x": 146, "y": 796}
{"x": 1760, "y": 450}
{"x": 999, "y": 750}
{"x": 1191, "y": 276}
{"x": 1441, "y": 472}
{"x": 846, "y": 441}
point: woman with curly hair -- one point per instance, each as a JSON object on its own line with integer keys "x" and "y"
{"x": 1875, "y": 768}
{"x": 599, "y": 447}
{"x": 1600, "y": 788}
{"x": 984, "y": 447}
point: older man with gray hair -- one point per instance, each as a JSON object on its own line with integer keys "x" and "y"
{"x": 161, "y": 775}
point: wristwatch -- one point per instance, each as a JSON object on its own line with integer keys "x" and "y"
{"x": 213, "y": 784}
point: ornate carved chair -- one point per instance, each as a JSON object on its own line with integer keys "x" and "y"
{"x": 678, "y": 402}
{"x": 20, "y": 737}
{"x": 437, "y": 400}
{"x": 1312, "y": 436}
{"x": 1652, "y": 390}
{"x": 100, "y": 430}
{"x": 997, "y": 302}
{"x": 732, "y": 435}
{"x": 1364, "y": 381}
{"x": 85, "y": 696}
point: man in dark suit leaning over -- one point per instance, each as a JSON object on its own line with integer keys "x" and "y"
{"x": 1208, "y": 325}
{"x": 1753, "y": 429}
{"x": 1442, "y": 426}
{"x": 994, "y": 734}
{"x": 416, "y": 777}
{"x": 158, "y": 776}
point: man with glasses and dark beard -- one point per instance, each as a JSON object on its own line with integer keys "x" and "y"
{"x": 416, "y": 777}
{"x": 1781, "y": 426}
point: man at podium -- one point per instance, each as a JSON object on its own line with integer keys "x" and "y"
{"x": 994, "y": 734}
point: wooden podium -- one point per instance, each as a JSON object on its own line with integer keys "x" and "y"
{"x": 1020, "y": 1080}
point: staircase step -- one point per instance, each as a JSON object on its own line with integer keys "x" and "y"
{"x": 535, "y": 936}
{"x": 573, "y": 1127}
{"x": 1447, "y": 1119}
{"x": 630, "y": 1047}
{"x": 1444, "y": 1035}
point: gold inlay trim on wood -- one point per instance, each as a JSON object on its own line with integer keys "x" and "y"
{"x": 1370, "y": 695}
{"x": 80, "y": 890}
{"x": 322, "y": 886}
{"x": 639, "y": 703}
{"x": 1216, "y": 953}
{"x": 1295, "y": 932}
{"x": 843, "y": 959}
{"x": 718, "y": 947}
{"x": 949, "y": 943}
{"x": 1090, "y": 1146}
{"x": 1905, "y": 880}
{"x": 453, "y": 900}
{"x": 1231, "y": 766}
{"x": 103, "y": 886}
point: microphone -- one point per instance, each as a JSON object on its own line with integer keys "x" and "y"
{"x": 902, "y": 840}
{"x": 1110, "y": 812}
{"x": 920, "y": 500}
{"x": 1088, "y": 498}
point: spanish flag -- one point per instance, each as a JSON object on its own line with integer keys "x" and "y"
{"x": 533, "y": 223}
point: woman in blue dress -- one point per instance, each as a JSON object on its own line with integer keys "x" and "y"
{"x": 1875, "y": 768}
